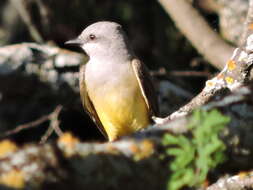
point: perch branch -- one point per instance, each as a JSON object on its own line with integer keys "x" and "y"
{"x": 243, "y": 181}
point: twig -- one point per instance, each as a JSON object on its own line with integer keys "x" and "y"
{"x": 163, "y": 73}
{"x": 47, "y": 134}
{"x": 20, "y": 6}
{"x": 191, "y": 73}
{"x": 54, "y": 125}
{"x": 202, "y": 98}
{"x": 44, "y": 13}
{"x": 26, "y": 126}
{"x": 54, "y": 121}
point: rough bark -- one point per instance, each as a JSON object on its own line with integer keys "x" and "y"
{"x": 133, "y": 161}
{"x": 34, "y": 79}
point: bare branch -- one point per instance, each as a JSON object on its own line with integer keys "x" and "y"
{"x": 195, "y": 28}
{"x": 20, "y": 6}
{"x": 54, "y": 125}
{"x": 163, "y": 73}
{"x": 44, "y": 13}
{"x": 26, "y": 126}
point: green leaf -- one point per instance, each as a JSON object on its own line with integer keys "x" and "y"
{"x": 193, "y": 158}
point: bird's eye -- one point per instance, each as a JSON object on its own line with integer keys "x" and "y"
{"x": 92, "y": 36}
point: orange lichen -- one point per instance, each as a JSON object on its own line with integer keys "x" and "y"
{"x": 229, "y": 80}
{"x": 134, "y": 148}
{"x": 7, "y": 147}
{"x": 68, "y": 140}
{"x": 13, "y": 178}
{"x": 142, "y": 150}
{"x": 147, "y": 148}
{"x": 68, "y": 144}
{"x": 220, "y": 76}
{"x": 112, "y": 149}
{"x": 251, "y": 26}
{"x": 231, "y": 65}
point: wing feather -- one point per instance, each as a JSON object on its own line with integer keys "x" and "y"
{"x": 87, "y": 104}
{"x": 147, "y": 86}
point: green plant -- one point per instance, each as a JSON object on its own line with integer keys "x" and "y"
{"x": 194, "y": 157}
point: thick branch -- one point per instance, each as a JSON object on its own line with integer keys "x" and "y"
{"x": 248, "y": 25}
{"x": 195, "y": 28}
{"x": 243, "y": 181}
{"x": 75, "y": 165}
{"x": 51, "y": 64}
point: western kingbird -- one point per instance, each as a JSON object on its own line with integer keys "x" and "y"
{"x": 115, "y": 87}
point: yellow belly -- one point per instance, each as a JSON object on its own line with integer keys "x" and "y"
{"x": 121, "y": 114}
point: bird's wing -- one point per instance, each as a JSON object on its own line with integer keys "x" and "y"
{"x": 87, "y": 104}
{"x": 147, "y": 86}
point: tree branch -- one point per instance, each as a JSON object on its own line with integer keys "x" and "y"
{"x": 198, "y": 32}
{"x": 20, "y": 6}
{"x": 52, "y": 118}
{"x": 243, "y": 181}
{"x": 235, "y": 73}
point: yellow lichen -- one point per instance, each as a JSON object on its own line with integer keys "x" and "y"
{"x": 229, "y": 80}
{"x": 14, "y": 179}
{"x": 68, "y": 140}
{"x": 6, "y": 147}
{"x": 243, "y": 174}
{"x": 209, "y": 83}
{"x": 231, "y": 65}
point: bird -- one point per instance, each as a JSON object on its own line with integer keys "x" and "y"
{"x": 116, "y": 88}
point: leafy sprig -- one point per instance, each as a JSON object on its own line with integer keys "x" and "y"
{"x": 194, "y": 157}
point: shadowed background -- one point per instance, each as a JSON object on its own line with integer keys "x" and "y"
{"x": 153, "y": 35}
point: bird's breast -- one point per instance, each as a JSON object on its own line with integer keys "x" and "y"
{"x": 103, "y": 78}
{"x": 117, "y": 98}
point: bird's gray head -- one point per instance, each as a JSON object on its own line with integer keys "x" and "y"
{"x": 103, "y": 39}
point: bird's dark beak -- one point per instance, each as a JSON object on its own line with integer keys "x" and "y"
{"x": 74, "y": 42}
